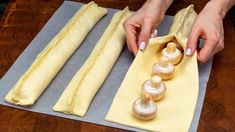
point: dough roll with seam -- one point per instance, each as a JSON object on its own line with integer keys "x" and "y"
{"x": 79, "y": 93}
{"x": 52, "y": 58}
{"x": 176, "y": 109}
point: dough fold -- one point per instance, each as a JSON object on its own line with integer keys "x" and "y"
{"x": 51, "y": 59}
{"x": 79, "y": 93}
{"x": 176, "y": 109}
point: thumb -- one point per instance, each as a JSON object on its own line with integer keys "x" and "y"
{"x": 192, "y": 41}
{"x": 145, "y": 34}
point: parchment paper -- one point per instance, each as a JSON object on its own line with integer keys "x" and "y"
{"x": 104, "y": 97}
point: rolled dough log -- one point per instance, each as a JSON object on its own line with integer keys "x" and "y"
{"x": 79, "y": 93}
{"x": 51, "y": 59}
{"x": 176, "y": 110}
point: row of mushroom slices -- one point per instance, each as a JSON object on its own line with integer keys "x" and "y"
{"x": 154, "y": 89}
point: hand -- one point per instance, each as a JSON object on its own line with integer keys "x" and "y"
{"x": 208, "y": 26}
{"x": 141, "y": 26}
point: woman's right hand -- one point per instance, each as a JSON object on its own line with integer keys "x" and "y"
{"x": 141, "y": 26}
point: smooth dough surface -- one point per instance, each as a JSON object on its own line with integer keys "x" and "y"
{"x": 79, "y": 93}
{"x": 51, "y": 59}
{"x": 176, "y": 109}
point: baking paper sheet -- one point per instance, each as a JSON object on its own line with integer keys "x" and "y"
{"x": 102, "y": 101}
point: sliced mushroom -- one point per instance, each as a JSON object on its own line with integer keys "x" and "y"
{"x": 155, "y": 87}
{"x": 163, "y": 68}
{"x": 144, "y": 108}
{"x": 172, "y": 53}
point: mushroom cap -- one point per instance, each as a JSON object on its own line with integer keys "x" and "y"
{"x": 144, "y": 111}
{"x": 155, "y": 87}
{"x": 163, "y": 68}
{"x": 172, "y": 53}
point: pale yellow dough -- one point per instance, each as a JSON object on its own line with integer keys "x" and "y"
{"x": 79, "y": 93}
{"x": 46, "y": 65}
{"x": 175, "y": 111}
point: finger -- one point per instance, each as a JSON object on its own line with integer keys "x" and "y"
{"x": 145, "y": 34}
{"x": 212, "y": 39}
{"x": 192, "y": 41}
{"x": 131, "y": 37}
{"x": 218, "y": 48}
{"x": 208, "y": 50}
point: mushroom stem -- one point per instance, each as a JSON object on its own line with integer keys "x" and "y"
{"x": 145, "y": 99}
{"x": 171, "y": 47}
{"x": 154, "y": 87}
{"x": 155, "y": 81}
{"x": 173, "y": 54}
{"x": 164, "y": 68}
{"x": 144, "y": 108}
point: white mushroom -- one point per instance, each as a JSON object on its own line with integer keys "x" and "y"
{"x": 155, "y": 87}
{"x": 163, "y": 68}
{"x": 172, "y": 53}
{"x": 144, "y": 108}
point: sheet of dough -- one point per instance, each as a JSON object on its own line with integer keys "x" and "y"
{"x": 175, "y": 111}
{"x": 46, "y": 65}
{"x": 79, "y": 93}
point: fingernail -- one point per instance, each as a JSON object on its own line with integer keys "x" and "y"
{"x": 142, "y": 45}
{"x": 152, "y": 35}
{"x": 129, "y": 49}
{"x": 188, "y": 51}
{"x": 155, "y": 32}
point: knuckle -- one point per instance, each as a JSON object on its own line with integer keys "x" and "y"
{"x": 143, "y": 37}
{"x": 148, "y": 20}
{"x": 221, "y": 45}
{"x": 147, "y": 16}
{"x": 125, "y": 24}
{"x": 196, "y": 27}
{"x": 128, "y": 21}
{"x": 202, "y": 60}
{"x": 214, "y": 39}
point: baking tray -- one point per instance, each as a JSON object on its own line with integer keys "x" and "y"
{"x": 103, "y": 99}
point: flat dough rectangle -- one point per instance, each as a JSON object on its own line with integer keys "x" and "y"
{"x": 79, "y": 93}
{"x": 176, "y": 109}
{"x": 46, "y": 65}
